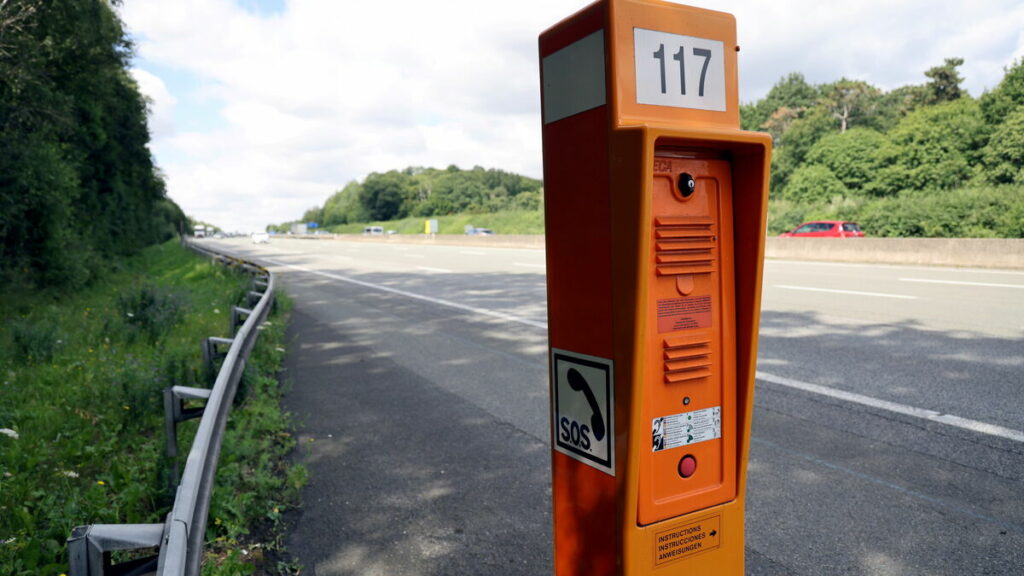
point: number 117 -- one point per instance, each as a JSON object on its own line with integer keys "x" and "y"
{"x": 679, "y": 56}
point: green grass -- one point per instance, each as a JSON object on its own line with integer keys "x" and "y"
{"x": 81, "y": 405}
{"x": 505, "y": 222}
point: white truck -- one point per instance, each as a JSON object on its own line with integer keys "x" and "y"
{"x": 199, "y": 231}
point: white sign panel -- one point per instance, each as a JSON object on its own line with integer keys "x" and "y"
{"x": 686, "y": 428}
{"x": 679, "y": 71}
{"x": 583, "y": 408}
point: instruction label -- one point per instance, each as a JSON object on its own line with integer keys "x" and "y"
{"x": 683, "y": 313}
{"x": 686, "y": 540}
{"x": 686, "y": 428}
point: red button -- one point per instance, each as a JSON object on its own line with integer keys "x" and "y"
{"x": 687, "y": 466}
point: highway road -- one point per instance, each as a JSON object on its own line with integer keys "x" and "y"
{"x": 888, "y": 429}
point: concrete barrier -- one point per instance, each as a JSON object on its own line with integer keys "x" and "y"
{"x": 961, "y": 252}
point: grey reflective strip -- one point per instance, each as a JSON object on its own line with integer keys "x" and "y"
{"x": 574, "y": 78}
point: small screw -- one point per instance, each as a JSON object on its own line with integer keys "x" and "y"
{"x": 686, "y": 401}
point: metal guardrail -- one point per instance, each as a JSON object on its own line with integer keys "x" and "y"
{"x": 180, "y": 537}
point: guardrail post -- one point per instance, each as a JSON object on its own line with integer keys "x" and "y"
{"x": 212, "y": 352}
{"x": 89, "y": 548}
{"x": 175, "y": 413}
{"x": 236, "y": 317}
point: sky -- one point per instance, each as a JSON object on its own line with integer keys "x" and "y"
{"x": 261, "y": 109}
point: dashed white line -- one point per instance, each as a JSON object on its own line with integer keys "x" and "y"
{"x": 962, "y": 283}
{"x": 925, "y": 414}
{"x": 473, "y": 252}
{"x": 430, "y": 269}
{"x": 438, "y": 301}
{"x": 850, "y": 292}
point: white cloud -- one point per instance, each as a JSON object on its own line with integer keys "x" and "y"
{"x": 325, "y": 91}
{"x": 161, "y": 103}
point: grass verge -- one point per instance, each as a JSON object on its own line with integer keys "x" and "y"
{"x": 81, "y": 411}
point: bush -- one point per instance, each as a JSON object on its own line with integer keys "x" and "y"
{"x": 151, "y": 310}
{"x": 814, "y": 183}
{"x": 34, "y": 342}
{"x": 994, "y": 212}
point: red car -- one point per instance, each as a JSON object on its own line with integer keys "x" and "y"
{"x": 825, "y": 229}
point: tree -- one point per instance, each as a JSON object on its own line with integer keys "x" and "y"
{"x": 1003, "y": 157}
{"x": 854, "y": 157}
{"x": 945, "y": 82}
{"x": 383, "y": 195}
{"x": 77, "y": 181}
{"x": 1008, "y": 95}
{"x": 795, "y": 142}
{"x": 849, "y": 101}
{"x": 933, "y": 148}
{"x": 791, "y": 91}
{"x": 813, "y": 183}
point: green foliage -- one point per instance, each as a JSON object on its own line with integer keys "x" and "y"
{"x": 1003, "y": 157}
{"x": 87, "y": 409}
{"x": 792, "y": 147}
{"x": 428, "y": 192}
{"x": 945, "y": 82}
{"x": 850, "y": 102}
{"x": 934, "y": 147}
{"x": 791, "y": 92}
{"x": 999, "y": 103}
{"x": 150, "y": 309}
{"x": 77, "y": 182}
{"x": 853, "y": 157}
{"x": 985, "y": 212}
{"x": 814, "y": 183}
{"x": 34, "y": 341}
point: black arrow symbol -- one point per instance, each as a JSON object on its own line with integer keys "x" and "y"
{"x": 713, "y": 533}
{"x": 578, "y": 383}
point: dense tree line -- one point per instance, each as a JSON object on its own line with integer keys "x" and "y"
{"x": 426, "y": 192}
{"x": 77, "y": 181}
{"x": 920, "y": 160}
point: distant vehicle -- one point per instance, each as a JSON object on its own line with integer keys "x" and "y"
{"x": 373, "y": 230}
{"x": 481, "y": 232}
{"x": 825, "y": 229}
{"x": 218, "y": 236}
{"x": 260, "y": 238}
{"x": 199, "y": 231}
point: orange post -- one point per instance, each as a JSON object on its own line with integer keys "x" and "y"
{"x": 655, "y": 208}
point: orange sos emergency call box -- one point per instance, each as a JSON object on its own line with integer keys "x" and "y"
{"x": 655, "y": 206}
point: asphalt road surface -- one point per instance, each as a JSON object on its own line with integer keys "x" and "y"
{"x": 888, "y": 428}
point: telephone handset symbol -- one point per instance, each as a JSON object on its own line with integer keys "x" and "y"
{"x": 578, "y": 383}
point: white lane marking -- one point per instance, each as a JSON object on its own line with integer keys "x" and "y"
{"x": 528, "y": 265}
{"x": 886, "y": 266}
{"x": 473, "y": 252}
{"x": 949, "y": 419}
{"x": 414, "y": 255}
{"x": 448, "y": 303}
{"x": 853, "y": 292}
{"x": 962, "y": 283}
{"x": 429, "y": 269}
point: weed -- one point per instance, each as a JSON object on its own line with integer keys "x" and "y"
{"x": 34, "y": 341}
{"x": 81, "y": 396}
{"x": 151, "y": 310}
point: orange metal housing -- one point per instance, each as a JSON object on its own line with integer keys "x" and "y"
{"x": 662, "y": 283}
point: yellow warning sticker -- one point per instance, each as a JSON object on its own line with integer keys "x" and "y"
{"x": 686, "y": 540}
